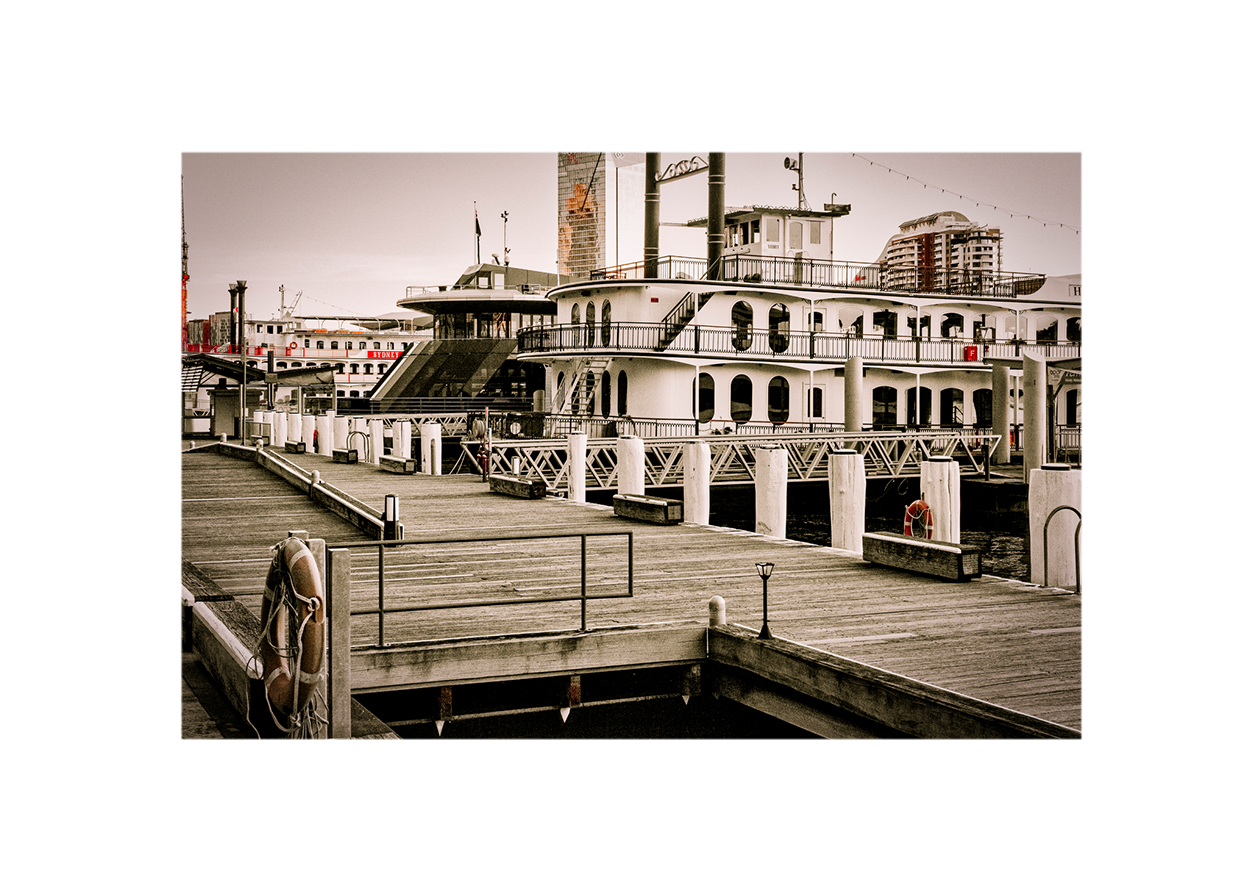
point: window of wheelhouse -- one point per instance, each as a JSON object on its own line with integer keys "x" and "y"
{"x": 742, "y": 325}
{"x": 919, "y": 405}
{"x": 778, "y": 326}
{"x": 589, "y": 324}
{"x": 742, "y": 399}
{"x": 772, "y": 229}
{"x": 622, "y": 394}
{"x": 951, "y": 407}
{"x": 705, "y": 398}
{"x": 606, "y": 329}
{"x": 777, "y": 400}
{"x": 982, "y": 414}
{"x": 883, "y": 404}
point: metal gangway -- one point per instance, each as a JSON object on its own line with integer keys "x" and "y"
{"x": 732, "y": 460}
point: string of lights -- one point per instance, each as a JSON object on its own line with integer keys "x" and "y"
{"x": 1015, "y": 215}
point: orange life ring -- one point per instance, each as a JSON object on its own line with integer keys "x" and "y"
{"x": 919, "y": 513}
{"x": 293, "y": 587}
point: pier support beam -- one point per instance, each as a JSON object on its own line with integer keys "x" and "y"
{"x": 771, "y": 490}
{"x": 577, "y": 467}
{"x": 432, "y": 448}
{"x": 854, "y": 389}
{"x": 339, "y": 685}
{"x": 1053, "y": 560}
{"x": 631, "y": 465}
{"x": 846, "y": 486}
{"x": 1033, "y": 435}
{"x": 697, "y": 483}
{"x": 1001, "y": 412}
{"x": 940, "y": 487}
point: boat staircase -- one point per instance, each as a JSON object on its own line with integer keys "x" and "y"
{"x": 680, "y": 316}
{"x": 577, "y": 388}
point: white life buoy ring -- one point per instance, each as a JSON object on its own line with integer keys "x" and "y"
{"x": 918, "y": 515}
{"x": 292, "y": 578}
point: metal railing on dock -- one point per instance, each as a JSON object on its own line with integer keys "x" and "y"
{"x": 409, "y": 548}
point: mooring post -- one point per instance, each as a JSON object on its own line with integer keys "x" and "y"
{"x": 339, "y": 686}
{"x": 376, "y": 440}
{"x": 324, "y": 426}
{"x": 771, "y": 490}
{"x": 940, "y": 488}
{"x": 293, "y": 432}
{"x": 307, "y": 432}
{"x": 697, "y": 482}
{"x": 631, "y": 465}
{"x": 577, "y": 467}
{"x": 1052, "y": 486}
{"x": 432, "y": 448}
{"x": 718, "y": 611}
{"x": 846, "y": 489}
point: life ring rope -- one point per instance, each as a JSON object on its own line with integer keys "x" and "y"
{"x": 918, "y": 513}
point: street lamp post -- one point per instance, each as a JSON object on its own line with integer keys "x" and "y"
{"x": 764, "y": 570}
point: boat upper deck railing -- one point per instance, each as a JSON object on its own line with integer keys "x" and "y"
{"x": 824, "y": 274}
{"x": 522, "y": 288}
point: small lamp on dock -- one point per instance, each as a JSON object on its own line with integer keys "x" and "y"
{"x": 764, "y": 569}
{"x": 391, "y": 516}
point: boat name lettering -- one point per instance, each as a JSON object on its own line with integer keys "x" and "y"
{"x": 382, "y": 354}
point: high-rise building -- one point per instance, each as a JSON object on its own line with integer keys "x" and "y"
{"x": 941, "y": 251}
{"x": 600, "y": 210}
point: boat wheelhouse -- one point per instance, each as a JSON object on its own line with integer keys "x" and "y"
{"x": 762, "y": 345}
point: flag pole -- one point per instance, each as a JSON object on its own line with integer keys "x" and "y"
{"x": 477, "y": 237}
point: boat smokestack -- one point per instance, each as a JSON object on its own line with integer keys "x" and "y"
{"x": 714, "y": 217}
{"x": 651, "y": 268}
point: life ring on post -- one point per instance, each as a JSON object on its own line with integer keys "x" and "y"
{"x": 918, "y": 516}
{"x": 294, "y": 591}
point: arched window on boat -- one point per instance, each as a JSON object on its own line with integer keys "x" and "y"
{"x": 348, "y": 345}
{"x": 281, "y": 365}
{"x": 742, "y": 399}
{"x": 742, "y": 325}
{"x": 589, "y": 324}
{"x": 362, "y": 346}
{"x": 951, "y": 407}
{"x": 983, "y": 418}
{"x": 883, "y": 411}
{"x": 1072, "y": 329}
{"x": 815, "y": 402}
{"x": 335, "y": 345}
{"x": 319, "y": 346}
{"x": 852, "y": 321}
{"x": 705, "y": 398}
{"x": 919, "y": 406}
{"x": 951, "y": 326}
{"x": 778, "y": 327}
{"x": 606, "y": 393}
{"x": 576, "y": 321}
{"x": 340, "y": 368}
{"x": 777, "y": 400}
{"x": 885, "y": 322}
{"x": 622, "y": 394}
{"x": 1046, "y": 327}
{"x": 815, "y": 321}
{"x": 606, "y": 327}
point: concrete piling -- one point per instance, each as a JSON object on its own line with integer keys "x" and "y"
{"x": 432, "y": 448}
{"x": 846, "y": 489}
{"x": 577, "y": 467}
{"x": 631, "y": 465}
{"x": 1033, "y": 436}
{"x": 376, "y": 440}
{"x": 771, "y": 490}
{"x": 697, "y": 483}
{"x": 1053, "y": 560}
{"x": 940, "y": 487}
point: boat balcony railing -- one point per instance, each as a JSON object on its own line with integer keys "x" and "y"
{"x": 746, "y": 343}
{"x": 300, "y": 351}
{"x": 523, "y": 288}
{"x": 830, "y": 274}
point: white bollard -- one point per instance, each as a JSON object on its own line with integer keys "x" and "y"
{"x": 771, "y": 490}
{"x": 718, "y": 611}
{"x": 940, "y": 488}
{"x": 697, "y": 483}
{"x": 846, "y": 489}
{"x": 325, "y": 428}
{"x": 631, "y": 465}
{"x": 1052, "y": 486}
{"x": 432, "y": 448}
{"x": 279, "y": 429}
{"x": 340, "y": 433}
{"x": 405, "y": 448}
{"x": 293, "y": 429}
{"x": 577, "y": 467}
{"x": 308, "y": 426}
{"x": 376, "y": 440}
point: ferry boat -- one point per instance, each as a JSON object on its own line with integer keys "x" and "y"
{"x": 755, "y": 338}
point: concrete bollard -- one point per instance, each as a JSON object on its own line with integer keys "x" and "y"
{"x": 432, "y": 448}
{"x": 376, "y": 440}
{"x": 771, "y": 490}
{"x": 307, "y": 431}
{"x": 697, "y": 483}
{"x": 1033, "y": 435}
{"x": 1001, "y": 412}
{"x": 631, "y": 465}
{"x": 293, "y": 428}
{"x": 940, "y": 488}
{"x": 340, "y": 433}
{"x": 323, "y": 424}
{"x": 405, "y": 448}
{"x": 718, "y": 611}
{"x": 279, "y": 429}
{"x": 1052, "y": 486}
{"x": 846, "y": 489}
{"x": 854, "y": 393}
{"x": 577, "y": 467}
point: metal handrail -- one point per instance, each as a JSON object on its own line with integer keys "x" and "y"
{"x": 1046, "y": 547}
{"x": 383, "y": 546}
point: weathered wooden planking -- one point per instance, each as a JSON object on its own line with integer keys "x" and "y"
{"x": 947, "y": 560}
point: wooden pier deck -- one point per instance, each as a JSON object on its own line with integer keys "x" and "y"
{"x": 1008, "y": 643}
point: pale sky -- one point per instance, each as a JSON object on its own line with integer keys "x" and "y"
{"x": 351, "y": 230}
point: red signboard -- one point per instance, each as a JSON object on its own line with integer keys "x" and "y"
{"x": 382, "y": 354}
{"x": 970, "y": 353}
